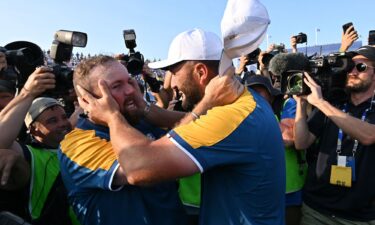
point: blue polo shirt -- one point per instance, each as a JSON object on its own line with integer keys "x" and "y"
{"x": 239, "y": 150}
{"x": 88, "y": 165}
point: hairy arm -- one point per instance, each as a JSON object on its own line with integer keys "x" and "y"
{"x": 145, "y": 161}
{"x": 364, "y": 132}
{"x": 303, "y": 138}
{"x": 161, "y": 117}
{"x": 12, "y": 116}
{"x": 286, "y": 126}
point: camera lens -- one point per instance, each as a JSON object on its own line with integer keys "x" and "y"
{"x": 295, "y": 82}
{"x": 134, "y": 66}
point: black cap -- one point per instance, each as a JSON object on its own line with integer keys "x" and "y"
{"x": 367, "y": 51}
{"x": 265, "y": 82}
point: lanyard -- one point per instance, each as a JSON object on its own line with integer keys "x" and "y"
{"x": 341, "y": 134}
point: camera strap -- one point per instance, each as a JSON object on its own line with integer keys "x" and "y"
{"x": 341, "y": 133}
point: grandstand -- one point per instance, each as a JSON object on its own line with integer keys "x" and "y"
{"x": 325, "y": 49}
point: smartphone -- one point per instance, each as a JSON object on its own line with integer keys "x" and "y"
{"x": 346, "y": 26}
{"x": 371, "y": 37}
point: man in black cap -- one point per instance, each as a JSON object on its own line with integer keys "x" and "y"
{"x": 340, "y": 185}
{"x": 263, "y": 86}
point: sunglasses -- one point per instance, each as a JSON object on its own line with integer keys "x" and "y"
{"x": 362, "y": 67}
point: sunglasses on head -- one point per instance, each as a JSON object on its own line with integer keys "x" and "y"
{"x": 362, "y": 67}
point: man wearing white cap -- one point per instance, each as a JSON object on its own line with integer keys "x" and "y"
{"x": 238, "y": 146}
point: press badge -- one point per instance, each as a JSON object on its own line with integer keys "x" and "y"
{"x": 350, "y": 162}
{"x": 341, "y": 174}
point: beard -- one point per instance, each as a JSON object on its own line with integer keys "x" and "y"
{"x": 131, "y": 114}
{"x": 191, "y": 95}
{"x": 132, "y": 117}
{"x": 359, "y": 87}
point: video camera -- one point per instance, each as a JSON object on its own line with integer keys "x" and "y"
{"x": 301, "y": 38}
{"x": 61, "y": 51}
{"x": 328, "y": 71}
{"x": 22, "y": 58}
{"x": 134, "y": 60}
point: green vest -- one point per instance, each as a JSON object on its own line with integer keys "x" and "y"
{"x": 44, "y": 170}
{"x": 45, "y": 167}
{"x": 296, "y": 167}
{"x": 190, "y": 190}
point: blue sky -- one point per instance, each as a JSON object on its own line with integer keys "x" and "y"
{"x": 157, "y": 22}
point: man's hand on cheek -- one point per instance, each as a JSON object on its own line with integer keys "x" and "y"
{"x": 98, "y": 110}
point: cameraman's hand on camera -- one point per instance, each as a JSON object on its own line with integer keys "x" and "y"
{"x": 293, "y": 44}
{"x": 316, "y": 97}
{"x": 39, "y": 81}
{"x": 98, "y": 109}
{"x": 348, "y": 38}
{"x": 243, "y": 62}
{"x": 223, "y": 90}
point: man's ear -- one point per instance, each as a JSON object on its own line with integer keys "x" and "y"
{"x": 202, "y": 72}
{"x": 34, "y": 130}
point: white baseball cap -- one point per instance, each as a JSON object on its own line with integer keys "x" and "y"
{"x": 195, "y": 44}
{"x": 243, "y": 27}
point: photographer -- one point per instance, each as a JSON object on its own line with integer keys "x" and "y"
{"x": 340, "y": 185}
{"x": 47, "y": 124}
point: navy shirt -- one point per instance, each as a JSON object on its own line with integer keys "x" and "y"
{"x": 354, "y": 203}
{"x": 88, "y": 165}
{"x": 239, "y": 149}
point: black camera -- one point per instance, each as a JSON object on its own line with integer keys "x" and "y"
{"x": 22, "y": 58}
{"x": 134, "y": 60}
{"x": 328, "y": 71}
{"x": 253, "y": 57}
{"x": 301, "y": 38}
{"x": 61, "y": 52}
